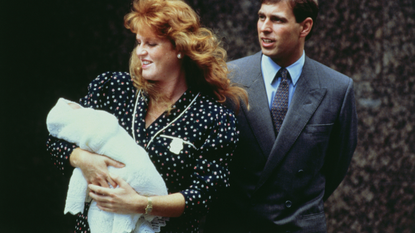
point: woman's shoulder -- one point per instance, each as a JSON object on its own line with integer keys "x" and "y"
{"x": 115, "y": 75}
{"x": 109, "y": 90}
{"x": 111, "y": 79}
{"x": 216, "y": 117}
{"x": 212, "y": 106}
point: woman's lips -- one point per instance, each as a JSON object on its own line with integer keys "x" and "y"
{"x": 145, "y": 63}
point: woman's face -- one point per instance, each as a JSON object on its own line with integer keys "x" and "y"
{"x": 158, "y": 58}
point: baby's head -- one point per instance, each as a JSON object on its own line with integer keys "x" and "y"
{"x": 74, "y": 106}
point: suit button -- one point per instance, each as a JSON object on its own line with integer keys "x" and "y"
{"x": 288, "y": 204}
{"x": 300, "y": 173}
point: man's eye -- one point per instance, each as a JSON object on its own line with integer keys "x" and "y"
{"x": 278, "y": 20}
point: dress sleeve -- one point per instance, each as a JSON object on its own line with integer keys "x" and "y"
{"x": 105, "y": 92}
{"x": 60, "y": 151}
{"x": 211, "y": 174}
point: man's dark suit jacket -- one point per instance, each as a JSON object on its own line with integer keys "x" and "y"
{"x": 278, "y": 184}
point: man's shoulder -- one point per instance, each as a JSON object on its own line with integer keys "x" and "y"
{"x": 324, "y": 72}
{"x": 245, "y": 67}
{"x": 241, "y": 61}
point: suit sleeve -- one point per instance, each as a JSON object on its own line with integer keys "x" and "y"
{"x": 342, "y": 143}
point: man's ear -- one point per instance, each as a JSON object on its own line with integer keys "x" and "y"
{"x": 306, "y": 27}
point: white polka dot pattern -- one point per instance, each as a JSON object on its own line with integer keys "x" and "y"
{"x": 205, "y": 134}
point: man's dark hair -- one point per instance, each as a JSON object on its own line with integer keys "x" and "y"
{"x": 302, "y": 9}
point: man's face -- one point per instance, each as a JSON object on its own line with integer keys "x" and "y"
{"x": 279, "y": 33}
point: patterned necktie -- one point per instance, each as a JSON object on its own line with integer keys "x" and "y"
{"x": 280, "y": 104}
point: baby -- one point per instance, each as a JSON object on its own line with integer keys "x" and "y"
{"x": 83, "y": 126}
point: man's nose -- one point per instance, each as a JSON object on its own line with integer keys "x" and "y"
{"x": 265, "y": 26}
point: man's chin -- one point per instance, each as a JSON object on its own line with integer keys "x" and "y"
{"x": 268, "y": 52}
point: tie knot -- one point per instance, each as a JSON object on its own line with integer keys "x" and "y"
{"x": 283, "y": 73}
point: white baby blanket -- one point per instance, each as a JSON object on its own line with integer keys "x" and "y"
{"x": 99, "y": 132}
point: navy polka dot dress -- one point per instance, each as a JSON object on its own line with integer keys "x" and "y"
{"x": 190, "y": 147}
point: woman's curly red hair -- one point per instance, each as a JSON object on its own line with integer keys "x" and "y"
{"x": 204, "y": 58}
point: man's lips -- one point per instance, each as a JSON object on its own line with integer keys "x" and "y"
{"x": 266, "y": 42}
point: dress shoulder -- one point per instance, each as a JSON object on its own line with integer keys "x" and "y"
{"x": 108, "y": 90}
{"x": 218, "y": 109}
{"x": 110, "y": 79}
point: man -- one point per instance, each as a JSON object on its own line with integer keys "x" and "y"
{"x": 288, "y": 162}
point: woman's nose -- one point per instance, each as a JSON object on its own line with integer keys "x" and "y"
{"x": 140, "y": 51}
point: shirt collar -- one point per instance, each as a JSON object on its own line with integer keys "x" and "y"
{"x": 270, "y": 69}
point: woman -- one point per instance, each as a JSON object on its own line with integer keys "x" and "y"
{"x": 171, "y": 106}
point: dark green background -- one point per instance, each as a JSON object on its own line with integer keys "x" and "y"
{"x": 51, "y": 49}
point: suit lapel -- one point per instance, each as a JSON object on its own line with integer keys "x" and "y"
{"x": 307, "y": 97}
{"x": 258, "y": 116}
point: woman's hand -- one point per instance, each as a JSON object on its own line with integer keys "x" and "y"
{"x": 94, "y": 167}
{"x": 123, "y": 199}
